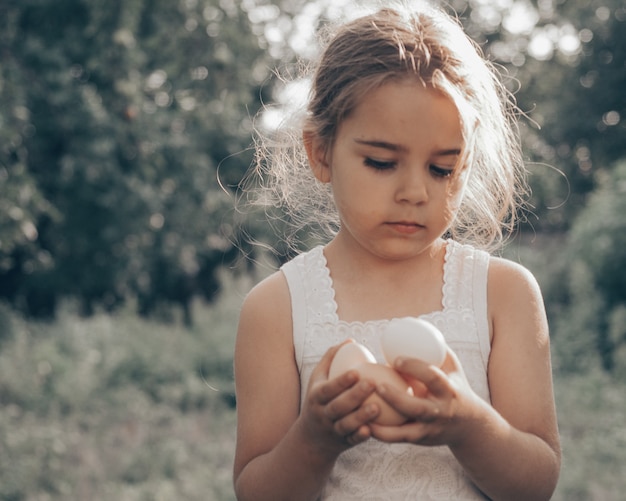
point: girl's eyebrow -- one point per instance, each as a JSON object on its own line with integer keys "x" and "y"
{"x": 381, "y": 144}
{"x": 396, "y": 147}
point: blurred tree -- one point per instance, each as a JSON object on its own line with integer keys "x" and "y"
{"x": 597, "y": 241}
{"x": 569, "y": 58}
{"x": 116, "y": 117}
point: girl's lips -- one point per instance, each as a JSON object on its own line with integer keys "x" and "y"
{"x": 405, "y": 227}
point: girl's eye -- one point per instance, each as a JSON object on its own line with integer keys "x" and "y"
{"x": 441, "y": 171}
{"x": 379, "y": 164}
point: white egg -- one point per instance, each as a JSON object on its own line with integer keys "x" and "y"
{"x": 413, "y": 338}
{"x": 349, "y": 356}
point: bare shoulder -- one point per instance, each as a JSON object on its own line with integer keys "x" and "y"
{"x": 265, "y": 324}
{"x": 268, "y": 301}
{"x": 513, "y": 293}
{"x": 506, "y": 276}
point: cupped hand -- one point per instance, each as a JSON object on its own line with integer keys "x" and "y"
{"x": 439, "y": 411}
{"x": 333, "y": 415}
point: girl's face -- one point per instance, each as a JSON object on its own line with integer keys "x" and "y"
{"x": 394, "y": 170}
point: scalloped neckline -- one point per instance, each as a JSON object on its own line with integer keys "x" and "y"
{"x": 328, "y": 279}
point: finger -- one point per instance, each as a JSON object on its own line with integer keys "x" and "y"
{"x": 349, "y": 399}
{"x": 429, "y": 375}
{"x": 354, "y": 426}
{"x": 319, "y": 378}
{"x": 325, "y": 391}
{"x": 433, "y": 378}
{"x": 362, "y": 434}
{"x": 414, "y": 408}
{"x": 407, "y": 433}
{"x": 420, "y": 390}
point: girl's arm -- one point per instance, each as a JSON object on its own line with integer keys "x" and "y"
{"x": 282, "y": 453}
{"x": 511, "y": 450}
{"x": 522, "y": 457}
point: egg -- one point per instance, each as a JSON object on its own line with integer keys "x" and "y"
{"x": 379, "y": 373}
{"x": 349, "y": 356}
{"x": 413, "y": 338}
{"x": 355, "y": 356}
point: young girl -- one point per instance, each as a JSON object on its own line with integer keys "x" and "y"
{"x": 407, "y": 143}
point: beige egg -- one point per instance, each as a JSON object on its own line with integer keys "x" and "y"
{"x": 413, "y": 338}
{"x": 358, "y": 357}
{"x": 378, "y": 374}
{"x": 349, "y": 356}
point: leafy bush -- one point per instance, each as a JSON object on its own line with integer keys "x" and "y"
{"x": 591, "y": 406}
{"x": 598, "y": 269}
{"x": 116, "y": 407}
{"x": 115, "y": 118}
{"x": 6, "y": 323}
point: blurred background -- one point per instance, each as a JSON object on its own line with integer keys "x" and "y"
{"x": 125, "y": 132}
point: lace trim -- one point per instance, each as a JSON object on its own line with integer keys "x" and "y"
{"x": 322, "y": 283}
{"x": 318, "y": 289}
{"x": 323, "y": 293}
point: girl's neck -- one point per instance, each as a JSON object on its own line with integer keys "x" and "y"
{"x": 347, "y": 258}
{"x": 368, "y": 288}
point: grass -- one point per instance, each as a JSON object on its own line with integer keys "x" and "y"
{"x": 591, "y": 409}
{"x": 115, "y": 407}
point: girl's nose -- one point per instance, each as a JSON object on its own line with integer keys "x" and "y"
{"x": 412, "y": 187}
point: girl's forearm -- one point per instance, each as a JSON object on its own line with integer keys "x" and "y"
{"x": 294, "y": 470}
{"x": 506, "y": 463}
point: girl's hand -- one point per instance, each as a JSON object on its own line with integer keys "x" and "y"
{"x": 333, "y": 416}
{"x": 440, "y": 409}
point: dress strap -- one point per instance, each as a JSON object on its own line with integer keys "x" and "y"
{"x": 312, "y": 296}
{"x": 480, "y": 274}
{"x": 297, "y": 293}
{"x": 465, "y": 288}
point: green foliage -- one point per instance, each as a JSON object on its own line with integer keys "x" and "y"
{"x": 116, "y": 407}
{"x": 597, "y": 243}
{"x": 115, "y": 120}
{"x": 574, "y": 96}
{"x": 591, "y": 407}
{"x": 564, "y": 62}
{"x": 576, "y": 326}
{"x": 599, "y": 235}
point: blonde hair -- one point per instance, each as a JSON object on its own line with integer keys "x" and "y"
{"x": 365, "y": 53}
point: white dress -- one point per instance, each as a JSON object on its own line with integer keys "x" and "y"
{"x": 375, "y": 470}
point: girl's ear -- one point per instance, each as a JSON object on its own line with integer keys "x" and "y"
{"x": 317, "y": 154}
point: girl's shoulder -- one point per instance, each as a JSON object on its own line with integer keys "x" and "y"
{"x": 514, "y": 293}
{"x": 270, "y": 294}
{"x": 506, "y": 275}
{"x": 266, "y": 311}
